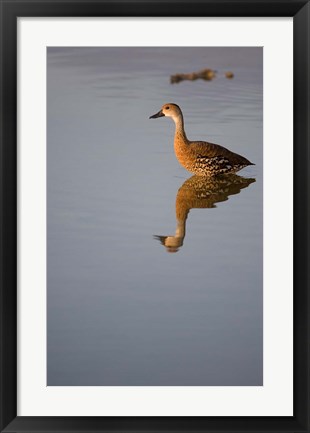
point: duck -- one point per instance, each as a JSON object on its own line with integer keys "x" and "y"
{"x": 201, "y": 158}
{"x": 199, "y": 192}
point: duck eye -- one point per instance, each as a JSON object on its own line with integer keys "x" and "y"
{"x": 167, "y": 108}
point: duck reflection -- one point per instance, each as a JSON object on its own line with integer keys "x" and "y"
{"x": 200, "y": 192}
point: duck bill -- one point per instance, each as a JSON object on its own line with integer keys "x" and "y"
{"x": 159, "y": 114}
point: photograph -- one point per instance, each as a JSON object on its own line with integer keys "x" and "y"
{"x": 154, "y": 215}
{"x": 154, "y": 189}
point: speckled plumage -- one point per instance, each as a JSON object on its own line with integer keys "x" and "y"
{"x": 200, "y": 157}
{"x": 201, "y": 192}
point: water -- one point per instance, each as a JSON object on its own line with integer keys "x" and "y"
{"x": 123, "y": 308}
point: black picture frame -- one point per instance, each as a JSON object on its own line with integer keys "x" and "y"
{"x": 10, "y": 11}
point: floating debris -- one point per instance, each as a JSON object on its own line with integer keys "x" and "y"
{"x": 229, "y": 75}
{"x": 204, "y": 74}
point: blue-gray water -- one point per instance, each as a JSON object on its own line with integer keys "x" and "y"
{"x": 123, "y": 309}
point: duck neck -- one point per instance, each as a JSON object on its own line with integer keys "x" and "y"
{"x": 179, "y": 129}
{"x": 180, "y": 230}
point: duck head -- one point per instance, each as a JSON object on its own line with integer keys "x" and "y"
{"x": 168, "y": 110}
{"x": 172, "y": 243}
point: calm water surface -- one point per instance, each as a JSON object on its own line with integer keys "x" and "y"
{"x": 154, "y": 277}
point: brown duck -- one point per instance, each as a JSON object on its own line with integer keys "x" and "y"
{"x": 200, "y": 193}
{"x": 200, "y": 157}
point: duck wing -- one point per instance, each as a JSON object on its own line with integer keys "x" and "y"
{"x": 205, "y": 150}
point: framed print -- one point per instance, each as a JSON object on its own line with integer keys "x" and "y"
{"x": 154, "y": 216}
